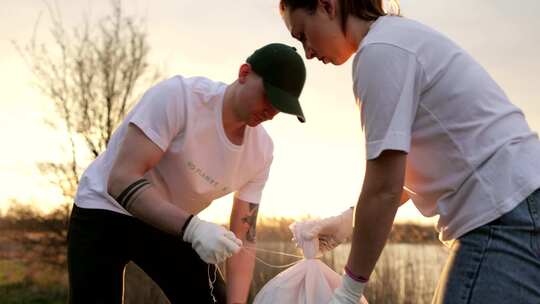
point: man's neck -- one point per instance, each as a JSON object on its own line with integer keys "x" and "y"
{"x": 233, "y": 127}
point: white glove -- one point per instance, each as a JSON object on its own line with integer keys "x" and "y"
{"x": 212, "y": 242}
{"x": 330, "y": 231}
{"x": 350, "y": 292}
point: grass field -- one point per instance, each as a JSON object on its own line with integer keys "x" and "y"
{"x": 21, "y": 284}
{"x": 406, "y": 273}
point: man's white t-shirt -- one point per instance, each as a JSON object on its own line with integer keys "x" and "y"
{"x": 183, "y": 117}
{"x": 471, "y": 154}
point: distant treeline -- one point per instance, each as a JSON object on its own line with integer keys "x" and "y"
{"x": 271, "y": 229}
{"x": 21, "y": 217}
{"x": 277, "y": 229}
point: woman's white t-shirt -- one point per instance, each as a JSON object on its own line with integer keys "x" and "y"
{"x": 183, "y": 117}
{"x": 471, "y": 154}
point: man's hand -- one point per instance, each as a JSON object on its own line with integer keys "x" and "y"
{"x": 212, "y": 242}
{"x": 350, "y": 292}
{"x": 330, "y": 231}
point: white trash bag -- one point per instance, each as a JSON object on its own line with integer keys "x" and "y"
{"x": 308, "y": 282}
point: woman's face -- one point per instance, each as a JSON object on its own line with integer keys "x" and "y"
{"x": 320, "y": 33}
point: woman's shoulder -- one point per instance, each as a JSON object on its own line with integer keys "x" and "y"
{"x": 401, "y": 32}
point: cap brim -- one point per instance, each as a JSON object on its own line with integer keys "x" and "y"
{"x": 284, "y": 102}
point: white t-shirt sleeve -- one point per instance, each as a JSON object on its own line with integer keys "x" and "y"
{"x": 386, "y": 84}
{"x": 161, "y": 113}
{"x": 252, "y": 190}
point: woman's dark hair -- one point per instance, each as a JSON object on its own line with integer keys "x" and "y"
{"x": 368, "y": 10}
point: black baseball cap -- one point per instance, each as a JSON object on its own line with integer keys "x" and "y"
{"x": 283, "y": 73}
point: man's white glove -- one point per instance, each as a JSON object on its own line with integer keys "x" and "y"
{"x": 330, "y": 231}
{"x": 212, "y": 242}
{"x": 350, "y": 292}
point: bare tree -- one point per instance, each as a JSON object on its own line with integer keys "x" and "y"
{"x": 91, "y": 74}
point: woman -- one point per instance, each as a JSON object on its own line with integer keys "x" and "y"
{"x": 441, "y": 132}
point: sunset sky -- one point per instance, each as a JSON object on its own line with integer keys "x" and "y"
{"x": 318, "y": 166}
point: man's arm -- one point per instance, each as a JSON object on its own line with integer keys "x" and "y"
{"x": 240, "y": 266}
{"x": 137, "y": 155}
{"x": 404, "y": 197}
{"x": 381, "y": 196}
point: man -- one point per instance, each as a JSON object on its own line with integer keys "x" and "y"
{"x": 187, "y": 142}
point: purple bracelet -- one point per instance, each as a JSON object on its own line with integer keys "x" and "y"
{"x": 356, "y": 278}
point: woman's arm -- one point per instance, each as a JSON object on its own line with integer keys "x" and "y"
{"x": 381, "y": 196}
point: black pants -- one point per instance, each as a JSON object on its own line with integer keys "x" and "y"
{"x": 101, "y": 243}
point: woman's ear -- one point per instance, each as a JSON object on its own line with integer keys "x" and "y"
{"x": 329, "y": 7}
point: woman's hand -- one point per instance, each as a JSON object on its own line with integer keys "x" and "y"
{"x": 331, "y": 231}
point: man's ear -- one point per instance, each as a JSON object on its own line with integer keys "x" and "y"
{"x": 243, "y": 72}
{"x": 329, "y": 7}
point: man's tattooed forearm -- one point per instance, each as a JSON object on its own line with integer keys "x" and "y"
{"x": 251, "y": 220}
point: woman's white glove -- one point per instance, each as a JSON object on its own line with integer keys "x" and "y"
{"x": 212, "y": 242}
{"x": 330, "y": 231}
{"x": 350, "y": 292}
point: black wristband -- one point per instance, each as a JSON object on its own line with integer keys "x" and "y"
{"x": 186, "y": 223}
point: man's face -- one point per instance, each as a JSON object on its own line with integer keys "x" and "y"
{"x": 254, "y": 107}
{"x": 262, "y": 110}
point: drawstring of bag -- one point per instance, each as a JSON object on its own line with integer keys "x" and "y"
{"x": 212, "y": 281}
{"x": 274, "y": 252}
{"x": 216, "y": 268}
